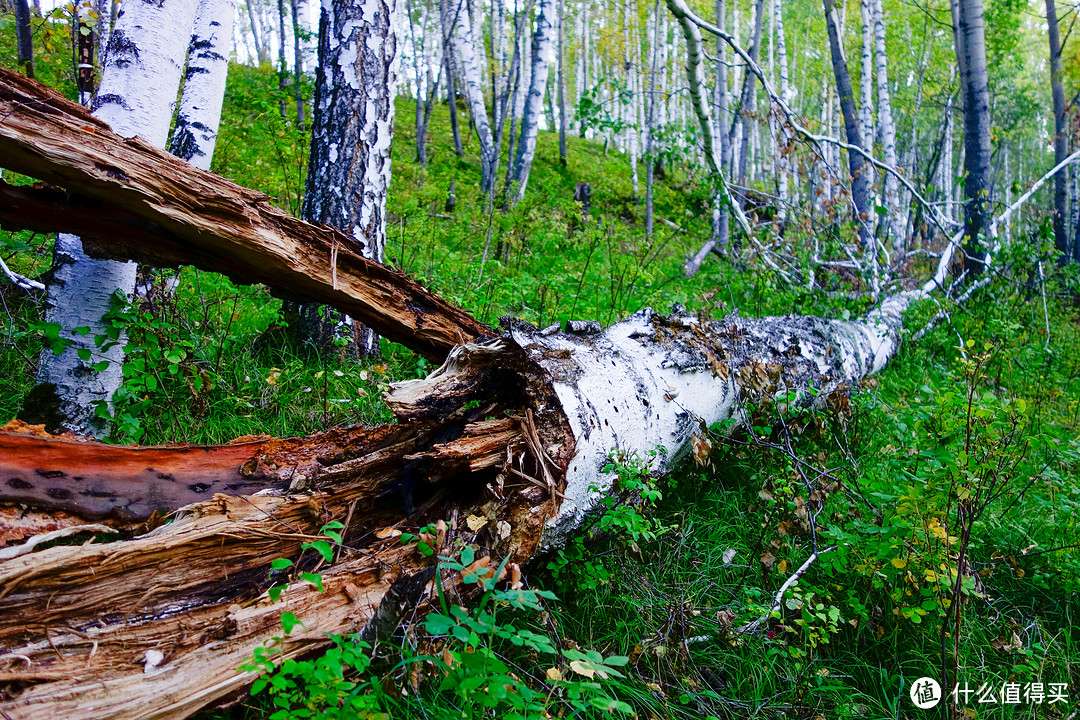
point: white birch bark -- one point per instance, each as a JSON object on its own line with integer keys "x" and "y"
{"x": 137, "y": 96}
{"x": 474, "y": 91}
{"x": 866, "y": 76}
{"x": 199, "y": 115}
{"x": 783, "y": 162}
{"x": 887, "y": 130}
{"x": 629, "y": 109}
{"x": 653, "y": 383}
{"x": 352, "y": 126}
{"x": 530, "y": 118}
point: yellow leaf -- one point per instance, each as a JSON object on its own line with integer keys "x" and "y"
{"x": 899, "y": 563}
{"x": 553, "y": 674}
{"x": 475, "y": 522}
{"x": 582, "y": 669}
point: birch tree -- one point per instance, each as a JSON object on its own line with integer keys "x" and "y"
{"x": 1061, "y": 140}
{"x": 887, "y": 129}
{"x": 530, "y": 118}
{"x": 866, "y": 76}
{"x": 860, "y": 186}
{"x": 199, "y": 114}
{"x": 970, "y": 37}
{"x": 474, "y": 91}
{"x": 137, "y": 96}
{"x": 352, "y": 125}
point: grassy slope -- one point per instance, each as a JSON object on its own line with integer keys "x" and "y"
{"x": 851, "y": 656}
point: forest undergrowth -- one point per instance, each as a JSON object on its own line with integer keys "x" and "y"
{"x": 939, "y": 501}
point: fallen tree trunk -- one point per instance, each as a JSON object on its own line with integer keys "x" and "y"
{"x": 526, "y": 458}
{"x": 128, "y": 199}
{"x": 503, "y": 448}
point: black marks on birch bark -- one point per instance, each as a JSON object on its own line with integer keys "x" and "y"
{"x": 122, "y": 51}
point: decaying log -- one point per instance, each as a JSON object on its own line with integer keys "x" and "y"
{"x": 129, "y": 200}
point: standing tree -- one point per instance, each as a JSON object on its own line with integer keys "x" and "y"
{"x": 1061, "y": 234}
{"x": 24, "y": 37}
{"x": 860, "y": 186}
{"x": 199, "y": 114}
{"x": 970, "y": 35}
{"x": 77, "y": 377}
{"x": 530, "y": 119}
{"x": 474, "y": 91}
{"x": 352, "y": 124}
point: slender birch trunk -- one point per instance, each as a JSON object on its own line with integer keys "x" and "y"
{"x": 137, "y": 95}
{"x": 450, "y": 20}
{"x": 1061, "y": 140}
{"x": 199, "y": 114}
{"x": 887, "y": 130}
{"x": 283, "y": 67}
{"x": 541, "y": 61}
{"x": 299, "y": 28}
{"x": 974, "y": 82}
{"x": 260, "y": 48}
{"x": 561, "y": 80}
{"x": 748, "y": 101}
{"x": 629, "y": 107}
{"x": 860, "y": 186}
{"x": 721, "y": 219}
{"x": 866, "y": 78}
{"x": 353, "y": 124}
{"x": 24, "y": 38}
{"x": 650, "y": 118}
{"x": 474, "y": 91}
{"x": 783, "y": 138}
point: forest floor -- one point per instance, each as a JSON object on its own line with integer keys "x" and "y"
{"x": 982, "y": 414}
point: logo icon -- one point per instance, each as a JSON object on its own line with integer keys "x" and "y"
{"x": 925, "y": 693}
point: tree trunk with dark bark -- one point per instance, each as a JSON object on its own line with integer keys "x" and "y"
{"x": 975, "y": 88}
{"x": 860, "y": 187}
{"x": 24, "y": 37}
{"x": 353, "y": 123}
{"x": 1061, "y": 137}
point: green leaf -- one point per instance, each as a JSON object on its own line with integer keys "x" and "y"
{"x": 322, "y": 547}
{"x": 313, "y": 578}
{"x": 275, "y": 592}
{"x": 289, "y": 621}
{"x": 280, "y": 564}
{"x": 83, "y": 354}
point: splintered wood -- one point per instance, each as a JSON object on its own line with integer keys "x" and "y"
{"x": 79, "y": 620}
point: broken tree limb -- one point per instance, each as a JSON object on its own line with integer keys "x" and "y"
{"x": 151, "y": 206}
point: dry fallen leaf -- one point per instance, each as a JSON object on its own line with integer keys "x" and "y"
{"x": 582, "y": 669}
{"x": 475, "y": 522}
{"x": 553, "y": 674}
